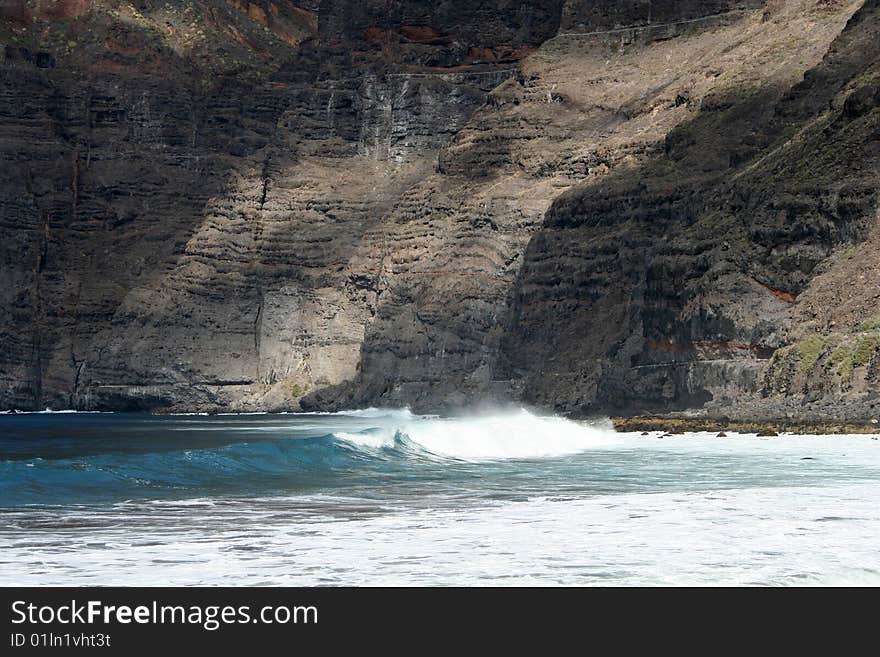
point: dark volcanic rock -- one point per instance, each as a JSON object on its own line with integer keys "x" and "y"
{"x": 673, "y": 285}
{"x": 594, "y": 207}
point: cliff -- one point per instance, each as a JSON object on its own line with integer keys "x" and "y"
{"x": 594, "y": 207}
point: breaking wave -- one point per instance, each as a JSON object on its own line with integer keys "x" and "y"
{"x": 508, "y": 435}
{"x": 192, "y": 455}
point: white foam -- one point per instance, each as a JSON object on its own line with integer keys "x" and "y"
{"x": 65, "y": 411}
{"x": 759, "y": 536}
{"x": 372, "y": 440}
{"x": 372, "y": 412}
{"x": 502, "y": 435}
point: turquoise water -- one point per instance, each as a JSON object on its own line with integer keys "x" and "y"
{"x": 387, "y": 497}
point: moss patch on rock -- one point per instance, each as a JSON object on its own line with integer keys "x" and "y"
{"x": 809, "y": 350}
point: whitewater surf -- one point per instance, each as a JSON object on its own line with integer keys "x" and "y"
{"x": 390, "y": 497}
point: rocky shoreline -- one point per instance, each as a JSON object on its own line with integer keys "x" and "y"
{"x": 675, "y": 425}
{"x": 644, "y": 423}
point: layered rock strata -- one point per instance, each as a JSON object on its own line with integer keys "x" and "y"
{"x": 589, "y": 207}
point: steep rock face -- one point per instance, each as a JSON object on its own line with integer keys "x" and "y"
{"x": 584, "y": 16}
{"x": 462, "y": 318}
{"x": 449, "y": 23}
{"x": 188, "y": 185}
{"x": 673, "y": 285}
{"x": 274, "y": 205}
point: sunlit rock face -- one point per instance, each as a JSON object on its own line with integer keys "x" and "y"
{"x": 589, "y": 206}
{"x": 703, "y": 275}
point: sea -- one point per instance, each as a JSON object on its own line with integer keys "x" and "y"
{"x": 374, "y": 497}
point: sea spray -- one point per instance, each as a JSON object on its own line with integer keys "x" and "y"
{"x": 517, "y": 434}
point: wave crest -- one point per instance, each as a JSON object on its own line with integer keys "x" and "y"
{"x": 180, "y": 457}
{"x": 507, "y": 435}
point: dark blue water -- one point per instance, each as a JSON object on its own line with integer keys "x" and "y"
{"x": 91, "y": 458}
{"x": 388, "y": 497}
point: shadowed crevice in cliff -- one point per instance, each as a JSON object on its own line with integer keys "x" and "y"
{"x": 670, "y": 286}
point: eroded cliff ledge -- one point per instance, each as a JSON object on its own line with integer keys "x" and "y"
{"x": 590, "y": 206}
